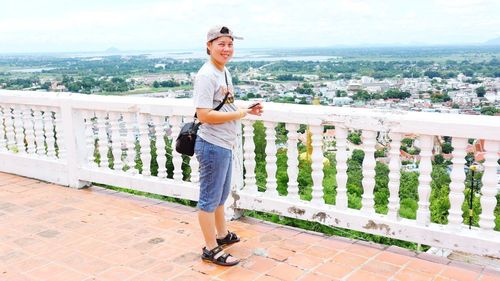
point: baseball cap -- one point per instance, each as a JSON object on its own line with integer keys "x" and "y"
{"x": 219, "y": 31}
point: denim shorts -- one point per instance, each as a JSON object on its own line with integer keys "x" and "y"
{"x": 215, "y": 174}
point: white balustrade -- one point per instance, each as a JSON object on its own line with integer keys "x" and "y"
{"x": 424, "y": 180}
{"x": 341, "y": 159}
{"x": 489, "y": 188}
{"x": 48, "y": 126}
{"x": 102, "y": 140}
{"x": 317, "y": 164}
{"x": 293, "y": 160}
{"x": 394, "y": 176}
{"x": 368, "y": 181}
{"x": 175, "y": 122}
{"x": 271, "y": 167}
{"x": 22, "y": 125}
{"x": 457, "y": 185}
{"x": 142, "y": 121}
{"x": 19, "y": 129}
{"x": 116, "y": 145}
{"x": 61, "y": 147}
{"x": 161, "y": 159}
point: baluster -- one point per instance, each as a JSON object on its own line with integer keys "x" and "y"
{"x": 175, "y": 122}
{"x": 49, "y": 132}
{"x": 19, "y": 129}
{"x": 29, "y": 131}
{"x": 249, "y": 156}
{"x": 369, "y": 163}
{"x": 161, "y": 159}
{"x": 116, "y": 146}
{"x": 145, "y": 143}
{"x": 61, "y": 147}
{"x": 317, "y": 164}
{"x": 489, "y": 188}
{"x": 129, "y": 120}
{"x": 102, "y": 141}
{"x": 39, "y": 135}
{"x": 457, "y": 185}
{"x": 89, "y": 139}
{"x": 3, "y": 142}
{"x": 9, "y": 129}
{"x": 341, "y": 159}
{"x": 424, "y": 180}
{"x": 292, "y": 162}
{"x": 270, "y": 160}
{"x": 195, "y": 169}
{"x": 394, "y": 176}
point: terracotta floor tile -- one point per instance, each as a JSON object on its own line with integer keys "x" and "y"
{"x": 293, "y": 245}
{"x": 304, "y": 261}
{"x": 333, "y": 243}
{"x": 142, "y": 263}
{"x": 334, "y": 270}
{"x": 393, "y": 258}
{"x": 459, "y": 274}
{"x": 238, "y": 273}
{"x": 410, "y": 275}
{"x": 29, "y": 264}
{"x": 349, "y": 259}
{"x": 209, "y": 268}
{"x": 162, "y": 271}
{"x": 188, "y": 275}
{"x": 381, "y": 268}
{"x": 317, "y": 277}
{"x": 69, "y": 274}
{"x": 85, "y": 263}
{"x": 362, "y": 275}
{"x": 279, "y": 254}
{"x": 309, "y": 238}
{"x": 98, "y": 234}
{"x": 46, "y": 272}
{"x": 117, "y": 273}
{"x": 320, "y": 252}
{"x": 490, "y": 277}
{"x": 266, "y": 278}
{"x": 425, "y": 266}
{"x": 15, "y": 276}
{"x": 362, "y": 250}
{"x": 284, "y": 271}
{"x": 259, "y": 264}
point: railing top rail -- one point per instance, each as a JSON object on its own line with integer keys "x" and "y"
{"x": 458, "y": 125}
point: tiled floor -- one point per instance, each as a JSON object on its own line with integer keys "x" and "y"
{"x": 50, "y": 232}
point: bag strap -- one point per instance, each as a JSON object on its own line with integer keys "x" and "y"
{"x": 225, "y": 97}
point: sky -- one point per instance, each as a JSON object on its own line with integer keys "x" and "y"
{"x": 96, "y": 25}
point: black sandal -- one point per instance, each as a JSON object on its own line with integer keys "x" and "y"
{"x": 209, "y": 255}
{"x": 230, "y": 238}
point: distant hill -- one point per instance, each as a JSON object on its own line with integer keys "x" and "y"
{"x": 495, "y": 41}
{"x": 112, "y": 50}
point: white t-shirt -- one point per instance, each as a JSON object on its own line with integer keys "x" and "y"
{"x": 209, "y": 91}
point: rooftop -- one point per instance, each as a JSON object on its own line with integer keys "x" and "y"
{"x": 51, "y": 232}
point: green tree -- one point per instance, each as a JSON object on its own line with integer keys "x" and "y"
{"x": 480, "y": 91}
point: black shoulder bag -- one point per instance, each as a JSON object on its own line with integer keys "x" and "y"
{"x": 184, "y": 144}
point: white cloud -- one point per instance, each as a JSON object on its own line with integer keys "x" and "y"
{"x": 156, "y": 24}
